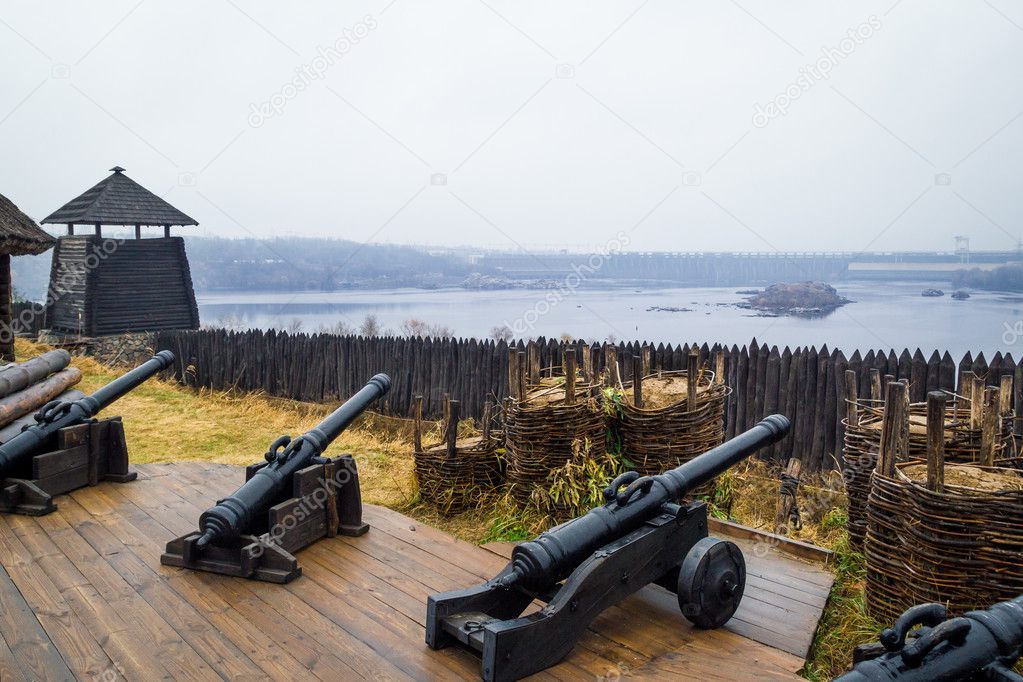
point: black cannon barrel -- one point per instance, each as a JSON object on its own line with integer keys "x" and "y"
{"x": 977, "y": 645}
{"x": 543, "y": 562}
{"x": 59, "y": 414}
{"x": 233, "y": 514}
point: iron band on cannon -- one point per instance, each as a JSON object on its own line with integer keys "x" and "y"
{"x": 287, "y": 502}
{"x": 67, "y": 448}
{"x": 640, "y": 536}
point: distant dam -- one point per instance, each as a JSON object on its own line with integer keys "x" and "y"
{"x": 745, "y": 269}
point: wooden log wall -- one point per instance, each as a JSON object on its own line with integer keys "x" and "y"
{"x": 807, "y": 384}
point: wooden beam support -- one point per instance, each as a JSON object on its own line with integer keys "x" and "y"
{"x": 852, "y": 407}
{"x": 417, "y": 423}
{"x": 990, "y": 426}
{"x": 936, "y": 441}
{"x": 451, "y": 436}
{"x": 637, "y": 381}
{"x": 570, "y": 376}
{"x": 1005, "y": 396}
{"x": 513, "y": 373}
{"x": 692, "y": 377}
{"x": 976, "y": 401}
{"x": 488, "y": 409}
{"x": 894, "y": 428}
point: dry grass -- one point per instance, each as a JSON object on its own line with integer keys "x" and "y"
{"x": 165, "y": 421}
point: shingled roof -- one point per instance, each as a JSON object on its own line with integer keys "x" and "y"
{"x": 19, "y": 234}
{"x": 118, "y": 200}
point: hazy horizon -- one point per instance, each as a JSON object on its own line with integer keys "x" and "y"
{"x": 504, "y": 125}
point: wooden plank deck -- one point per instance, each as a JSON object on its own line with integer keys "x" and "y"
{"x": 83, "y": 595}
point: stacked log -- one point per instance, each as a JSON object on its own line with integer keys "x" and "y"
{"x": 963, "y": 434}
{"x": 939, "y": 531}
{"x": 455, "y": 473}
{"x": 27, "y": 386}
{"x": 668, "y": 418}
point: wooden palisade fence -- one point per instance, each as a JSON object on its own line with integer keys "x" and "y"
{"x": 806, "y": 384}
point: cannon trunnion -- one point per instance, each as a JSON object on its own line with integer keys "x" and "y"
{"x": 578, "y": 569}
{"x": 294, "y": 498}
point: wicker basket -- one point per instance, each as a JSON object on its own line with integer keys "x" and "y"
{"x": 962, "y": 546}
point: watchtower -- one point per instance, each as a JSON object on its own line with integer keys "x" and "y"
{"x": 110, "y": 286}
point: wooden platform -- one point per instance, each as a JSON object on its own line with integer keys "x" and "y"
{"x": 83, "y": 596}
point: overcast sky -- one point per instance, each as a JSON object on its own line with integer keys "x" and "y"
{"x": 723, "y": 125}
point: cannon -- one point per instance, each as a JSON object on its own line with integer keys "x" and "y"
{"x": 578, "y": 569}
{"x": 290, "y": 500}
{"x": 67, "y": 448}
{"x": 979, "y": 645}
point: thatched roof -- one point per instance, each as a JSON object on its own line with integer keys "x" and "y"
{"x": 118, "y": 200}
{"x": 19, "y": 234}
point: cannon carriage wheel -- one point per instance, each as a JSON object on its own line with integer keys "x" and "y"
{"x": 711, "y": 582}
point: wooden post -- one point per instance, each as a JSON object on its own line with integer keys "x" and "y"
{"x": 989, "y": 429}
{"x": 1005, "y": 396}
{"x": 587, "y": 363}
{"x": 570, "y": 376}
{"x": 451, "y": 436}
{"x": 976, "y": 401}
{"x": 533, "y": 358}
{"x": 894, "y": 424}
{"x": 611, "y": 362}
{"x": 852, "y": 408}
{"x": 646, "y": 361}
{"x": 417, "y": 423}
{"x": 6, "y": 310}
{"x": 719, "y": 368}
{"x": 71, "y": 229}
{"x": 138, "y": 232}
{"x": 513, "y": 373}
{"x": 637, "y": 381}
{"x": 787, "y": 498}
{"x": 875, "y": 384}
{"x": 692, "y": 378}
{"x": 487, "y": 417}
{"x": 166, "y": 231}
{"x": 936, "y": 441}
{"x": 99, "y": 230}
{"x": 446, "y": 417}
{"x": 521, "y": 378}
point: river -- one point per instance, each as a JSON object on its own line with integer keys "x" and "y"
{"x": 882, "y": 315}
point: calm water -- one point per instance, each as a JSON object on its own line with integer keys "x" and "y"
{"x": 883, "y": 315}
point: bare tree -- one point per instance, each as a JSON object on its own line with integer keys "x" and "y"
{"x": 414, "y": 327}
{"x": 295, "y": 326}
{"x": 370, "y": 326}
{"x": 502, "y": 332}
